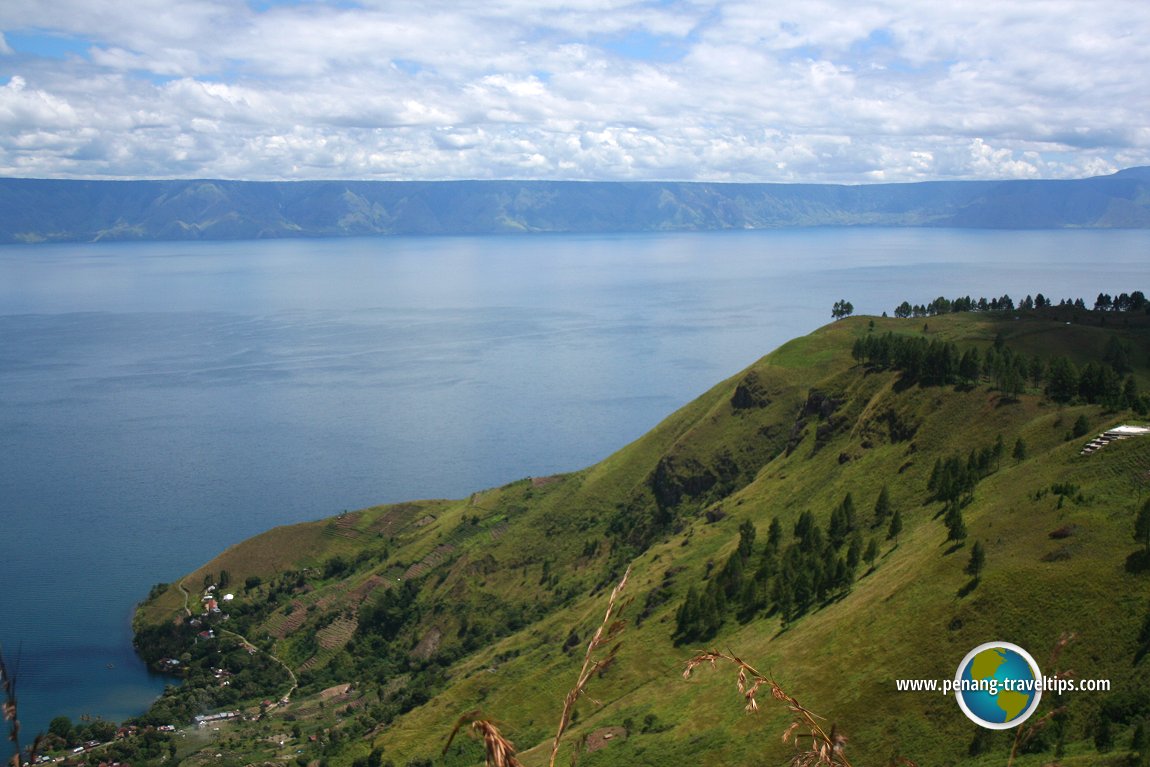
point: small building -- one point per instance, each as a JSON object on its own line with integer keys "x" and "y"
{"x": 1125, "y": 431}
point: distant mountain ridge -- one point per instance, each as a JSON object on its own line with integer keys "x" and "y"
{"x": 40, "y": 210}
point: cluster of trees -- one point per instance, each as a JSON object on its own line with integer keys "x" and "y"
{"x": 1123, "y": 302}
{"x": 842, "y": 308}
{"x": 147, "y": 745}
{"x": 937, "y": 363}
{"x": 930, "y": 363}
{"x": 952, "y": 481}
{"x": 818, "y": 565}
{"x": 942, "y": 305}
{"x": 251, "y": 676}
{"x": 1097, "y": 382}
{"x": 64, "y": 734}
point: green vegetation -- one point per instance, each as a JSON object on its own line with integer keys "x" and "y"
{"x": 843, "y": 513}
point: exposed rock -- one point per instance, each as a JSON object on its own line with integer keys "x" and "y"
{"x": 750, "y": 393}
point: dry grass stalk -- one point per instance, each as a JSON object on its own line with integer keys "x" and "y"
{"x": 1024, "y": 733}
{"x": 500, "y": 752}
{"x": 11, "y": 710}
{"x": 825, "y": 749}
{"x": 11, "y": 714}
{"x": 606, "y": 633}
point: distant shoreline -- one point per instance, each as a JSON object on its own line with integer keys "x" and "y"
{"x": 47, "y": 210}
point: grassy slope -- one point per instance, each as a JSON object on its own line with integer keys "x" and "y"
{"x": 907, "y": 618}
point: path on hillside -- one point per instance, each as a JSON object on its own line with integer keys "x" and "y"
{"x": 253, "y": 649}
{"x": 187, "y": 596}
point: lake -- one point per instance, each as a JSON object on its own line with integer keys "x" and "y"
{"x": 162, "y": 401}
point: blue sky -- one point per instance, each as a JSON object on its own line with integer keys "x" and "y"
{"x": 711, "y": 90}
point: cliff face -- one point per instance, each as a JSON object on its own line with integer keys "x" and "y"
{"x": 34, "y": 210}
{"x": 738, "y": 516}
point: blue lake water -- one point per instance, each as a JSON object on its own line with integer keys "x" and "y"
{"x": 161, "y": 401}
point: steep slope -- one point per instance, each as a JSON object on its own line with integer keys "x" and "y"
{"x": 436, "y": 608}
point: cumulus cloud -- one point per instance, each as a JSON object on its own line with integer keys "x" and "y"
{"x": 732, "y": 90}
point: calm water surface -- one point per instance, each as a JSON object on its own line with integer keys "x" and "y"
{"x": 161, "y": 401}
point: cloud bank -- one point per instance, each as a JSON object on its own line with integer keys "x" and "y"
{"x": 719, "y": 90}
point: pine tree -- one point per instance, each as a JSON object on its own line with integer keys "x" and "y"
{"x": 1019, "y": 450}
{"x": 774, "y": 535}
{"x": 1142, "y": 526}
{"x": 932, "y": 484}
{"x": 843, "y": 575}
{"x": 977, "y": 560}
{"x": 711, "y": 613}
{"x": 688, "y": 618}
{"x": 828, "y": 575}
{"x": 854, "y": 552}
{"x": 895, "y": 526}
{"x": 882, "y": 507}
{"x": 751, "y": 600}
{"x": 955, "y": 526}
{"x": 1140, "y": 741}
{"x": 842, "y": 522}
{"x": 1103, "y": 733}
{"x": 746, "y": 540}
{"x": 783, "y": 597}
{"x": 969, "y": 366}
{"x": 871, "y": 553}
{"x": 804, "y": 530}
{"x": 1130, "y": 396}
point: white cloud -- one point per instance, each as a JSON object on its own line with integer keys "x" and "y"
{"x": 795, "y": 90}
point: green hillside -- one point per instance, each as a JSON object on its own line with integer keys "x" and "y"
{"x": 733, "y": 515}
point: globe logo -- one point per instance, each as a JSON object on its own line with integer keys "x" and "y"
{"x": 998, "y": 685}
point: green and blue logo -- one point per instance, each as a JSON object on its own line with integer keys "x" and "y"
{"x": 998, "y": 685}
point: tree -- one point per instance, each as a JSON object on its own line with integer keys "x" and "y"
{"x": 977, "y": 560}
{"x": 842, "y": 522}
{"x": 1142, "y": 526}
{"x": 903, "y": 310}
{"x": 1139, "y": 742}
{"x": 854, "y": 553}
{"x": 969, "y": 366}
{"x": 1130, "y": 396}
{"x": 871, "y": 553}
{"x": 1117, "y": 355}
{"x": 746, "y": 540}
{"x": 1019, "y": 450}
{"x": 1103, "y": 733}
{"x": 1036, "y": 369}
{"x": 774, "y": 535}
{"x": 895, "y": 526}
{"x": 688, "y": 618}
{"x": 882, "y": 506}
{"x": 61, "y": 727}
{"x": 955, "y": 525}
{"x": 842, "y": 308}
{"x": 1061, "y": 380}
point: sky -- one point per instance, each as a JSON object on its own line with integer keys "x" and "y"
{"x": 815, "y": 91}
